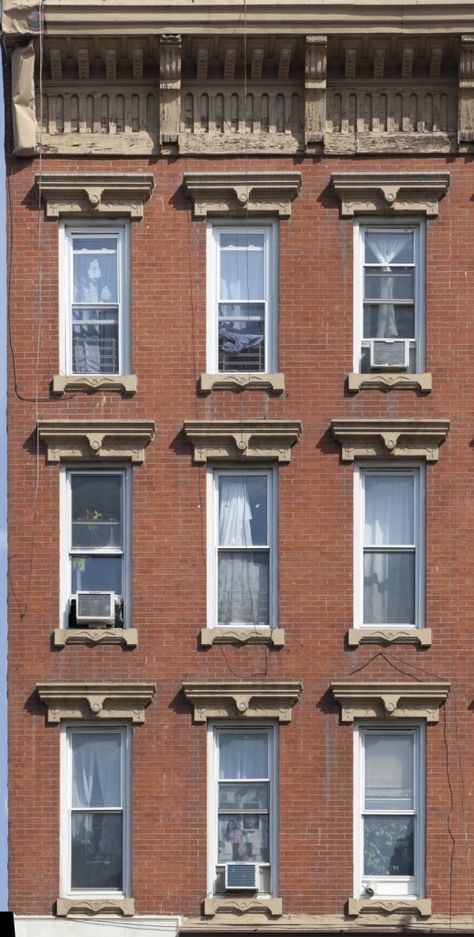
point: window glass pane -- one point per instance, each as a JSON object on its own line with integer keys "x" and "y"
{"x": 386, "y": 247}
{"x": 242, "y": 796}
{"x": 242, "y": 271}
{"x": 389, "y": 846}
{"x": 242, "y": 510}
{"x": 389, "y": 781}
{"x": 96, "y": 775}
{"x": 243, "y": 588}
{"x": 96, "y": 511}
{"x": 402, "y": 320}
{"x": 96, "y": 850}
{"x": 395, "y": 284}
{"x": 95, "y": 341}
{"x": 389, "y": 509}
{"x": 96, "y": 574}
{"x": 389, "y": 588}
{"x": 243, "y": 838}
{"x": 241, "y": 337}
{"x": 243, "y": 755}
{"x": 94, "y": 276}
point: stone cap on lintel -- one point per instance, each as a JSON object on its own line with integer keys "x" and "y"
{"x": 92, "y": 194}
{"x": 390, "y": 700}
{"x": 242, "y": 193}
{"x": 242, "y": 439}
{"x": 66, "y": 700}
{"x": 382, "y": 193}
{"x": 214, "y": 700}
{"x": 71, "y": 440}
{"x": 379, "y": 438}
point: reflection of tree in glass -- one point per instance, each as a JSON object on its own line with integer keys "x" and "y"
{"x": 386, "y": 852}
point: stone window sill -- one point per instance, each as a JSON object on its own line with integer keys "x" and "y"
{"x": 396, "y": 906}
{"x": 126, "y": 636}
{"x": 270, "y": 907}
{"x": 243, "y": 380}
{"x": 120, "y": 907}
{"x": 389, "y": 380}
{"x": 272, "y": 636}
{"x": 91, "y": 383}
{"x": 421, "y": 636}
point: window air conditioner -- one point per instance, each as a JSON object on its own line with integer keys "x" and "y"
{"x": 241, "y": 876}
{"x": 389, "y": 354}
{"x": 96, "y": 607}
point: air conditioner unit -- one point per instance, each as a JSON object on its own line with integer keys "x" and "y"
{"x": 389, "y": 354}
{"x": 241, "y": 876}
{"x": 95, "y": 607}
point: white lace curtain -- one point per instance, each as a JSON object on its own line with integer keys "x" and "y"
{"x": 243, "y": 575}
{"x": 386, "y": 248}
{"x": 389, "y": 576}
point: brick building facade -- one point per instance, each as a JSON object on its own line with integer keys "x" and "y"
{"x": 240, "y": 466}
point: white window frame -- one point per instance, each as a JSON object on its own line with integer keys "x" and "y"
{"x": 360, "y": 227}
{"x": 213, "y": 475}
{"x": 67, "y": 231}
{"x": 361, "y": 470}
{"x": 125, "y": 731}
{"x": 213, "y": 730}
{"x": 66, "y": 528}
{"x": 270, "y": 232}
{"x": 395, "y": 886}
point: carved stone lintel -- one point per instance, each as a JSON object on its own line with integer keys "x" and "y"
{"x": 258, "y": 635}
{"x": 126, "y": 636}
{"x": 421, "y": 636}
{"x": 247, "y": 193}
{"x": 390, "y": 700}
{"x": 242, "y": 439}
{"x": 95, "y": 439}
{"x": 94, "y": 194}
{"x": 120, "y": 907}
{"x": 378, "y": 438}
{"x": 389, "y": 192}
{"x": 91, "y": 383}
{"x": 237, "y": 907}
{"x": 378, "y": 380}
{"x": 72, "y": 700}
{"x": 243, "y": 380}
{"x": 416, "y": 907}
{"x": 272, "y": 700}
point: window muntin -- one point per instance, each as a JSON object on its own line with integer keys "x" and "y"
{"x": 242, "y": 528}
{"x": 96, "y": 298}
{"x": 96, "y": 815}
{"x": 389, "y": 561}
{"x": 389, "y": 812}
{"x": 389, "y": 290}
{"x": 241, "y": 298}
{"x": 243, "y": 818}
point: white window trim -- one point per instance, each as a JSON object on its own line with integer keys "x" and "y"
{"x": 213, "y": 474}
{"x": 66, "y": 891}
{"x": 66, "y": 232}
{"x": 65, "y": 507}
{"x": 213, "y": 729}
{"x": 414, "y": 224}
{"x": 390, "y": 886}
{"x": 392, "y": 468}
{"x": 270, "y": 230}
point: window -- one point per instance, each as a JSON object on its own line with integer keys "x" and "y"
{"x": 242, "y": 298}
{"x": 242, "y": 804}
{"x": 242, "y": 548}
{"x": 389, "y": 562}
{"x": 95, "y": 297}
{"x": 96, "y": 548}
{"x": 95, "y": 810}
{"x": 389, "y": 297}
{"x": 389, "y": 811}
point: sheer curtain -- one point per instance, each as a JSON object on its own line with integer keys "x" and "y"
{"x": 96, "y": 777}
{"x": 389, "y": 783}
{"x": 241, "y": 279}
{"x": 243, "y": 756}
{"x": 389, "y": 584}
{"x": 95, "y": 282}
{"x": 386, "y": 248}
{"x": 242, "y": 574}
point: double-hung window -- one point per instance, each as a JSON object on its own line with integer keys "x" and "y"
{"x": 97, "y": 548}
{"x": 389, "y": 297}
{"x": 389, "y": 811}
{"x": 242, "y": 548}
{"x": 95, "y": 300}
{"x": 95, "y": 840}
{"x": 389, "y": 550}
{"x": 242, "y": 808}
{"x": 242, "y": 282}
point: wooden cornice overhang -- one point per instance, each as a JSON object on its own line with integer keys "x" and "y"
{"x": 255, "y": 17}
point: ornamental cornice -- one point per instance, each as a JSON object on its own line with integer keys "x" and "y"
{"x": 379, "y": 438}
{"x": 213, "y": 700}
{"x": 390, "y": 700}
{"x": 65, "y": 700}
{"x": 242, "y": 439}
{"x": 95, "y": 439}
{"x": 242, "y": 193}
{"x": 365, "y": 192}
{"x": 95, "y": 194}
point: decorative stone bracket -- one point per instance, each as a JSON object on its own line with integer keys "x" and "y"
{"x": 212, "y": 700}
{"x": 92, "y": 194}
{"x": 242, "y": 193}
{"x": 96, "y": 700}
{"x": 242, "y": 439}
{"x": 95, "y": 439}
{"x": 399, "y": 438}
{"x": 387, "y": 192}
{"x": 390, "y": 700}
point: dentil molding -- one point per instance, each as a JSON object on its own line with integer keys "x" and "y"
{"x": 95, "y": 439}
{"x": 242, "y": 193}
{"x": 379, "y": 438}
{"x": 362, "y": 192}
{"x": 390, "y": 700}
{"x": 213, "y": 700}
{"x": 94, "y": 193}
{"x": 242, "y": 439}
{"x": 65, "y": 700}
